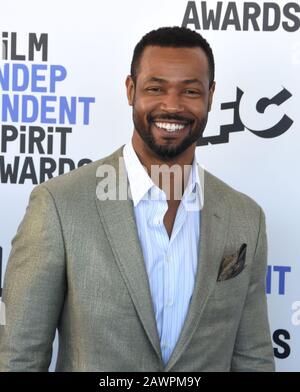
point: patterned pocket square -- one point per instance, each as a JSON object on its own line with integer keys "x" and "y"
{"x": 232, "y": 265}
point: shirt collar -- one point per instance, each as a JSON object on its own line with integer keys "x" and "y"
{"x": 140, "y": 182}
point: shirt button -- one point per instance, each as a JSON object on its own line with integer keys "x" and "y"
{"x": 168, "y": 258}
{"x": 165, "y": 345}
{"x": 157, "y": 221}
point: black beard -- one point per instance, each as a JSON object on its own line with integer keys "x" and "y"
{"x": 168, "y": 152}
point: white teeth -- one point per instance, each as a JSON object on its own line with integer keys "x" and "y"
{"x": 171, "y": 127}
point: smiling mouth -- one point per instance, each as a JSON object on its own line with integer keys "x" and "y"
{"x": 171, "y": 126}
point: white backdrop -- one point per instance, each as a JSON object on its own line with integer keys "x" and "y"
{"x": 93, "y": 41}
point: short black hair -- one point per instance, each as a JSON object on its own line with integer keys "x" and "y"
{"x": 175, "y": 37}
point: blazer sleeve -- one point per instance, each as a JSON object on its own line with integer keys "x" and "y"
{"x": 34, "y": 287}
{"x": 253, "y": 351}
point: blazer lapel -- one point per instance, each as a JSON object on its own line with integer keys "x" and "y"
{"x": 118, "y": 220}
{"x": 214, "y": 224}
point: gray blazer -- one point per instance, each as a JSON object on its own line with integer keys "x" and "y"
{"x": 76, "y": 265}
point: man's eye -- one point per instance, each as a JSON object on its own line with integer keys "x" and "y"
{"x": 154, "y": 89}
{"x": 191, "y": 92}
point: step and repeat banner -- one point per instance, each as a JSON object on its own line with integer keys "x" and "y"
{"x": 63, "y": 104}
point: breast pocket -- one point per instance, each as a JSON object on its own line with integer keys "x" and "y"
{"x": 233, "y": 289}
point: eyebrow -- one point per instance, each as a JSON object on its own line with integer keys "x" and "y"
{"x": 185, "y": 81}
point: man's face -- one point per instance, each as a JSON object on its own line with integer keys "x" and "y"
{"x": 171, "y": 98}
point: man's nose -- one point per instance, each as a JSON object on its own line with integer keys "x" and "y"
{"x": 172, "y": 103}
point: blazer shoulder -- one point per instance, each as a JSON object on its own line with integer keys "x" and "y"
{"x": 78, "y": 182}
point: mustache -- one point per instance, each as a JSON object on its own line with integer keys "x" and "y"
{"x": 174, "y": 117}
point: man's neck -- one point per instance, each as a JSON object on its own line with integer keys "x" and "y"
{"x": 158, "y": 167}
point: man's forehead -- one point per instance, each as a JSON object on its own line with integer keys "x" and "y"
{"x": 173, "y": 63}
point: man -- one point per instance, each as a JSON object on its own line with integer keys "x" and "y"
{"x": 164, "y": 280}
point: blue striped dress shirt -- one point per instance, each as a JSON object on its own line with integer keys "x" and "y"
{"x": 171, "y": 263}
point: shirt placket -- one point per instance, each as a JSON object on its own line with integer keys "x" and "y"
{"x": 170, "y": 289}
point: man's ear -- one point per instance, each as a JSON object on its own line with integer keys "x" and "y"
{"x": 211, "y": 94}
{"x": 130, "y": 89}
